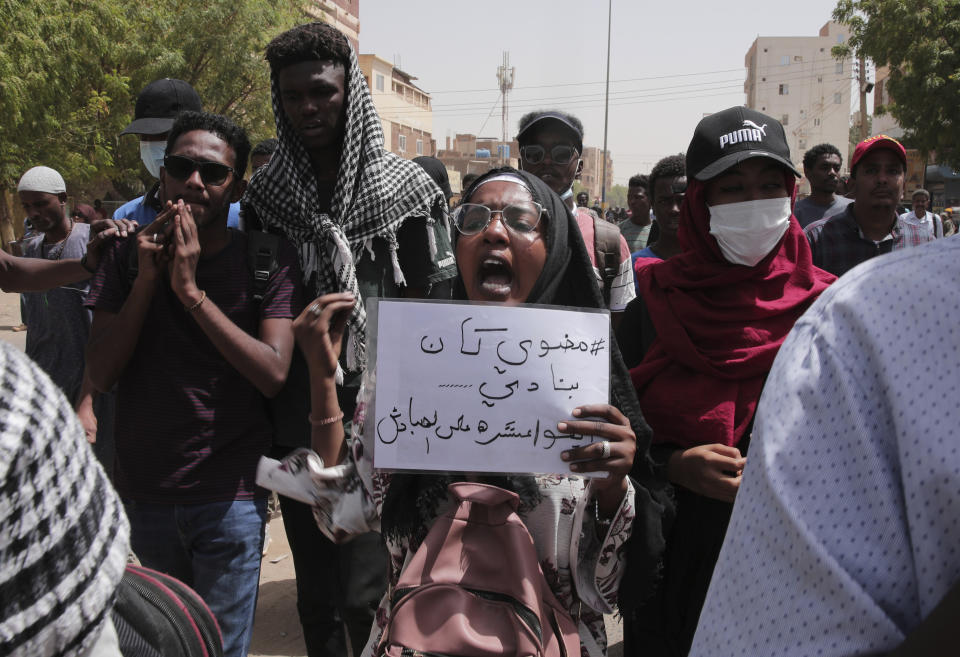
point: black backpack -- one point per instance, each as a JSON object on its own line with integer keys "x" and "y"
{"x": 156, "y": 615}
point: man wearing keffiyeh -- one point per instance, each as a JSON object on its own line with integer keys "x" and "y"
{"x": 364, "y": 221}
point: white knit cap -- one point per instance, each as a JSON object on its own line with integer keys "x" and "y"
{"x": 42, "y": 179}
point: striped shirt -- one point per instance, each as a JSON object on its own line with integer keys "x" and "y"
{"x": 189, "y": 427}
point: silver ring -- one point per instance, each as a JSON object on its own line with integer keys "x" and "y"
{"x": 315, "y": 309}
{"x": 604, "y": 449}
{"x": 156, "y": 238}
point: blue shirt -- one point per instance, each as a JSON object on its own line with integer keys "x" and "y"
{"x": 642, "y": 253}
{"x": 845, "y": 530}
{"x": 143, "y": 212}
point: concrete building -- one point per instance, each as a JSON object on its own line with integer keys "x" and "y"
{"x": 885, "y": 123}
{"x": 404, "y": 108}
{"x": 467, "y": 153}
{"x": 797, "y": 81}
{"x": 342, "y": 14}
{"x": 593, "y": 171}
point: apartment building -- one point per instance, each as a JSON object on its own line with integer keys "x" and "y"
{"x": 342, "y": 14}
{"x": 593, "y": 171}
{"x": 797, "y": 81}
{"x": 404, "y": 108}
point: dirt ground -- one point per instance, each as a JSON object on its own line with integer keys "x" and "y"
{"x": 276, "y": 629}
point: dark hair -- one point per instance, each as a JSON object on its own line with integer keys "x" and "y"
{"x": 811, "y": 156}
{"x": 640, "y": 180}
{"x": 265, "y": 147}
{"x": 221, "y": 126}
{"x": 467, "y": 180}
{"x": 672, "y": 166}
{"x": 530, "y": 117}
{"x": 306, "y": 43}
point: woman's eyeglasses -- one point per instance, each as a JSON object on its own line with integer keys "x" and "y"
{"x": 473, "y": 218}
{"x": 559, "y": 154}
{"x": 181, "y": 167}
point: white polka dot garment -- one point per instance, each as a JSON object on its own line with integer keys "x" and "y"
{"x": 846, "y": 530}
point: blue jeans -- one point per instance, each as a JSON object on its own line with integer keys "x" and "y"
{"x": 214, "y": 548}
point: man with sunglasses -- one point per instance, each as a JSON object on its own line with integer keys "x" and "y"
{"x": 550, "y": 147}
{"x": 178, "y": 328}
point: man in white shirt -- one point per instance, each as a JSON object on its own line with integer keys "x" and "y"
{"x": 920, "y": 217}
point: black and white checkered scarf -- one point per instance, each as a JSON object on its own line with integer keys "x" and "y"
{"x": 64, "y": 537}
{"x": 375, "y": 192}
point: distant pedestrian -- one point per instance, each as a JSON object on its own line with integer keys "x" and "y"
{"x": 636, "y": 228}
{"x": 261, "y": 153}
{"x": 920, "y": 216}
{"x": 821, "y": 166}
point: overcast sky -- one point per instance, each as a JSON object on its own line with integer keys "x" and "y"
{"x": 670, "y": 62}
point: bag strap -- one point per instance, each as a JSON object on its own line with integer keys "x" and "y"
{"x": 262, "y": 253}
{"x": 606, "y": 247}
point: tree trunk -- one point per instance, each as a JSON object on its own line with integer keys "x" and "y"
{"x": 8, "y": 227}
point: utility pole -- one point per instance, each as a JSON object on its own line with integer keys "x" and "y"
{"x": 505, "y": 75}
{"x": 606, "y": 114}
{"x": 862, "y": 82}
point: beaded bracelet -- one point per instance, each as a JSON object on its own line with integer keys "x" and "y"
{"x": 325, "y": 421}
{"x": 203, "y": 297}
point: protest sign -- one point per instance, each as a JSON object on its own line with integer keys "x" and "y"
{"x": 480, "y": 388}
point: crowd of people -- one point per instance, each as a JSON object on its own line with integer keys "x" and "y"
{"x": 780, "y": 471}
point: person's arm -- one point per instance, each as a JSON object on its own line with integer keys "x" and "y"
{"x": 114, "y": 335}
{"x": 264, "y": 361}
{"x": 36, "y": 274}
{"x": 319, "y": 331}
{"x": 84, "y": 407}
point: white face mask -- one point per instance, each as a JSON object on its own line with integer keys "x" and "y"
{"x": 748, "y": 231}
{"x": 152, "y": 152}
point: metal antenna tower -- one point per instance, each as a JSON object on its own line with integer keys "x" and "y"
{"x": 505, "y": 75}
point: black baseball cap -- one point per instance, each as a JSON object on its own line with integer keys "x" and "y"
{"x": 726, "y": 138}
{"x": 159, "y": 104}
{"x": 543, "y": 118}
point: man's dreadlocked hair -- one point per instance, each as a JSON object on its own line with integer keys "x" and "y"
{"x": 309, "y": 42}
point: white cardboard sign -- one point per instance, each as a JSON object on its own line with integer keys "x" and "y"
{"x": 480, "y": 388}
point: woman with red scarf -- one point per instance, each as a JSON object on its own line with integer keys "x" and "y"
{"x": 720, "y": 310}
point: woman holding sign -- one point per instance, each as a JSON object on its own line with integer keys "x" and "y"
{"x": 720, "y": 309}
{"x": 516, "y": 243}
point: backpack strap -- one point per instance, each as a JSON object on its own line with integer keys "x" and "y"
{"x": 262, "y": 253}
{"x": 606, "y": 247}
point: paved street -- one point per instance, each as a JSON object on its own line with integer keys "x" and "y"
{"x": 276, "y": 631}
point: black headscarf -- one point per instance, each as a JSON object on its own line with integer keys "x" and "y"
{"x": 567, "y": 279}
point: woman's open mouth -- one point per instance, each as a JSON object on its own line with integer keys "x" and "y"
{"x": 495, "y": 277}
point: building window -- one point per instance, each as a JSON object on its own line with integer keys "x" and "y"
{"x": 784, "y": 89}
{"x": 839, "y": 68}
{"x": 819, "y": 79}
{"x": 803, "y": 114}
{"x": 419, "y": 147}
{"x": 839, "y": 38}
{"x": 816, "y": 122}
{"x": 803, "y": 144}
{"x": 379, "y": 79}
{"x": 785, "y": 119}
{"x": 784, "y": 60}
{"x": 403, "y": 143}
{"x": 838, "y": 98}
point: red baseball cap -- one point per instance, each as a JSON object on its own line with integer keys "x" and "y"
{"x": 879, "y": 141}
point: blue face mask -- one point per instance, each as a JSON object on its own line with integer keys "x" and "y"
{"x": 151, "y": 153}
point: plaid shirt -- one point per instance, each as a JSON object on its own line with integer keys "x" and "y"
{"x": 838, "y": 244}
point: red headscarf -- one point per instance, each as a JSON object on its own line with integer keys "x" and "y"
{"x": 719, "y": 327}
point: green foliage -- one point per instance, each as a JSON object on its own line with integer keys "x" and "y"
{"x": 617, "y": 196}
{"x": 70, "y": 71}
{"x": 919, "y": 41}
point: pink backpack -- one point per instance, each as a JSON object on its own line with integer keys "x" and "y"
{"x": 474, "y": 588}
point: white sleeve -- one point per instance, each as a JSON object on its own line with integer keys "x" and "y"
{"x": 817, "y": 558}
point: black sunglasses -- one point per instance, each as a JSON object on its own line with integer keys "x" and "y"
{"x": 559, "y": 154}
{"x": 182, "y": 167}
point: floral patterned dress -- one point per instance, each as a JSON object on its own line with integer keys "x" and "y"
{"x": 582, "y": 565}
